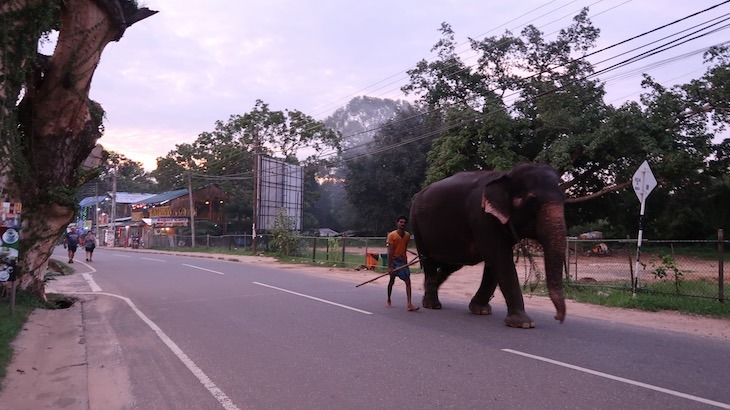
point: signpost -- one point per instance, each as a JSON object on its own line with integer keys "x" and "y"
{"x": 644, "y": 182}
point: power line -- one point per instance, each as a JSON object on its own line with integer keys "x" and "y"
{"x": 641, "y": 56}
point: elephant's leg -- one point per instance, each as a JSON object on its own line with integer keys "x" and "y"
{"x": 435, "y": 274}
{"x": 510, "y": 287}
{"x": 479, "y": 304}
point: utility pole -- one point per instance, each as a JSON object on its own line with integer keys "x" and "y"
{"x": 256, "y": 171}
{"x": 96, "y": 212}
{"x": 192, "y": 208}
{"x": 114, "y": 207}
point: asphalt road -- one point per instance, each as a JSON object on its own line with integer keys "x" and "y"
{"x": 166, "y": 331}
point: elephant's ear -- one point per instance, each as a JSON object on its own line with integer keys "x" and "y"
{"x": 496, "y": 200}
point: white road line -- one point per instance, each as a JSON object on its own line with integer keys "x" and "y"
{"x": 187, "y": 361}
{"x": 623, "y": 380}
{"x": 207, "y": 270}
{"x": 123, "y": 256}
{"x": 314, "y": 298}
{"x": 153, "y": 259}
{"x": 91, "y": 282}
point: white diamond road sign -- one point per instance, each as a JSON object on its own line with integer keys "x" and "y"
{"x": 644, "y": 182}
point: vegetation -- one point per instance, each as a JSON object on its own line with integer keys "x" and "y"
{"x": 283, "y": 240}
{"x": 652, "y": 302}
{"x": 11, "y": 325}
{"x": 226, "y": 155}
{"x": 665, "y": 266}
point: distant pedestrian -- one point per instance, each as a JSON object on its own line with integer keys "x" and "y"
{"x": 89, "y": 245}
{"x": 71, "y": 241}
{"x": 398, "y": 260}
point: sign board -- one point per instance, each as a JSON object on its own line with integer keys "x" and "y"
{"x": 170, "y": 221}
{"x": 644, "y": 182}
{"x": 280, "y": 187}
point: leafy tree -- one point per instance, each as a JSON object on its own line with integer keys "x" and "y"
{"x": 530, "y": 99}
{"x": 130, "y": 176}
{"x": 226, "y": 156}
{"x": 359, "y": 119}
{"x": 380, "y": 185}
{"x": 48, "y": 124}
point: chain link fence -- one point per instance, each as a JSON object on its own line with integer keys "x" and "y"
{"x": 679, "y": 267}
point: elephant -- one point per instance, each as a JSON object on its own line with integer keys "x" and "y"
{"x": 478, "y": 216}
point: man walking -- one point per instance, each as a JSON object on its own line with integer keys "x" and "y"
{"x": 397, "y": 243}
{"x": 71, "y": 241}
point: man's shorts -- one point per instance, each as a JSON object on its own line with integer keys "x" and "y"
{"x": 72, "y": 248}
{"x": 404, "y": 273}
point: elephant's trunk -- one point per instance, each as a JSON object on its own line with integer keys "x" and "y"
{"x": 552, "y": 232}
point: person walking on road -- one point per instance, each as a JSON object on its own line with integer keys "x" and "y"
{"x": 397, "y": 243}
{"x": 71, "y": 241}
{"x": 89, "y": 245}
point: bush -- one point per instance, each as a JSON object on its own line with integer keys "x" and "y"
{"x": 283, "y": 239}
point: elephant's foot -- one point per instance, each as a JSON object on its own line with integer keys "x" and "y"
{"x": 431, "y": 302}
{"x": 520, "y": 320}
{"x": 479, "y": 309}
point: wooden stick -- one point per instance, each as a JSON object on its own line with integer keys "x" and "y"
{"x": 388, "y": 273}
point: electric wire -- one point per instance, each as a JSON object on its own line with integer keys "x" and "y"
{"x": 606, "y": 70}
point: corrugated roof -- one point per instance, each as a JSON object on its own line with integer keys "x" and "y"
{"x": 130, "y": 197}
{"x": 163, "y": 197}
{"x": 91, "y": 200}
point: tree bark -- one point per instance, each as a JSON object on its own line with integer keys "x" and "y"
{"x": 58, "y": 128}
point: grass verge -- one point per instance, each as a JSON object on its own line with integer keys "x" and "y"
{"x": 653, "y": 302}
{"x": 12, "y": 324}
{"x": 25, "y": 303}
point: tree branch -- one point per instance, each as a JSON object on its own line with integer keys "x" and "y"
{"x": 599, "y": 193}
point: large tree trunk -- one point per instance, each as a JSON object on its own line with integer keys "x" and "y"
{"x": 58, "y": 128}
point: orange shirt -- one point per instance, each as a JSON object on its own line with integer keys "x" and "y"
{"x": 398, "y": 244}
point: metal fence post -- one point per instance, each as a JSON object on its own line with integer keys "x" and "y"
{"x": 721, "y": 267}
{"x": 314, "y": 249}
{"x": 343, "y": 248}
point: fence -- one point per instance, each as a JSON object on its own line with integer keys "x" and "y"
{"x": 677, "y": 267}
{"x": 690, "y": 268}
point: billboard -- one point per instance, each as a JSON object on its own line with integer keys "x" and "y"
{"x": 280, "y": 186}
{"x": 9, "y": 238}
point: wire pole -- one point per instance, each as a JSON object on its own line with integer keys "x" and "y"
{"x": 192, "y": 208}
{"x": 256, "y": 167}
{"x": 96, "y": 212}
{"x": 114, "y": 207}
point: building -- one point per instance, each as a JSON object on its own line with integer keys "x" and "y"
{"x": 95, "y": 213}
{"x": 165, "y": 213}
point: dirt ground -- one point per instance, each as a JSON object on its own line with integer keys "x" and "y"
{"x": 50, "y": 369}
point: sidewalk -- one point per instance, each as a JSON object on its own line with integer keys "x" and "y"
{"x": 49, "y": 368}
